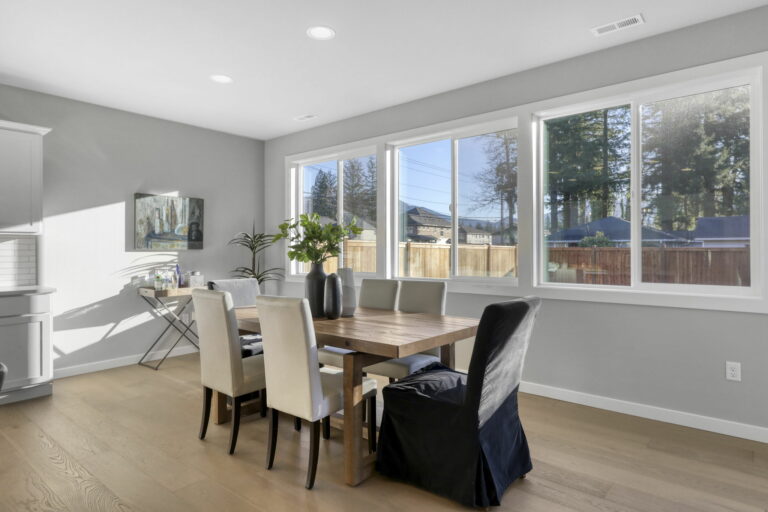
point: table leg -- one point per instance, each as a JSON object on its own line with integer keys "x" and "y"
{"x": 448, "y": 355}
{"x": 356, "y": 468}
{"x": 220, "y": 412}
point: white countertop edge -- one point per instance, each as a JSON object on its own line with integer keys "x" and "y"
{"x": 11, "y": 291}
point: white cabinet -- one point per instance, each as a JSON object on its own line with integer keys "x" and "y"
{"x": 25, "y": 343}
{"x": 21, "y": 177}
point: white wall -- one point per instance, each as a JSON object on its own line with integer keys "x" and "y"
{"x": 95, "y": 160}
{"x": 664, "y": 357}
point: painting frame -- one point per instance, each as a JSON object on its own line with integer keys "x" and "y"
{"x": 167, "y": 222}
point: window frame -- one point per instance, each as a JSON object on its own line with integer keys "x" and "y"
{"x": 296, "y": 192}
{"x": 755, "y": 300}
{"x": 636, "y": 99}
{"x": 453, "y": 136}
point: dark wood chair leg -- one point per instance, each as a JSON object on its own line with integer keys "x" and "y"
{"x": 327, "y": 427}
{"x": 263, "y": 399}
{"x": 236, "y": 403}
{"x": 272, "y": 443}
{"x": 372, "y": 424}
{"x": 314, "y": 448}
{"x": 207, "y": 397}
{"x": 297, "y": 424}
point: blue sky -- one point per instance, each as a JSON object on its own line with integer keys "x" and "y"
{"x": 425, "y": 176}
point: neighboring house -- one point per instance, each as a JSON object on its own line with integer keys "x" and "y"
{"x": 617, "y": 230}
{"x": 474, "y": 236}
{"x": 425, "y": 225}
{"x": 722, "y": 231}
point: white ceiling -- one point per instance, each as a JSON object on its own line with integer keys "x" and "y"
{"x": 154, "y": 56}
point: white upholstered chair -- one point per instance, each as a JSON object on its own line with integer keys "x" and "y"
{"x": 415, "y": 297}
{"x": 297, "y": 385}
{"x": 244, "y": 293}
{"x": 374, "y": 293}
{"x": 222, "y": 367}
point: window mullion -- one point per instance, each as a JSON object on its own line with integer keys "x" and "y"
{"x": 636, "y": 216}
{"x": 340, "y": 204}
{"x": 454, "y": 207}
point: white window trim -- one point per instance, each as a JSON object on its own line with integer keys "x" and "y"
{"x": 453, "y": 135}
{"x": 635, "y": 98}
{"x": 529, "y": 214}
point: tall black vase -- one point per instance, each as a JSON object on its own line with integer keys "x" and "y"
{"x": 332, "y": 297}
{"x": 314, "y": 289}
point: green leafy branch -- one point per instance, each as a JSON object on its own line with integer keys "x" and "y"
{"x": 312, "y": 242}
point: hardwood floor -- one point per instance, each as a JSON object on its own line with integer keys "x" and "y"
{"x": 126, "y": 439}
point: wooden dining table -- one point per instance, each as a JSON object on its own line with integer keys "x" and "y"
{"x": 375, "y": 335}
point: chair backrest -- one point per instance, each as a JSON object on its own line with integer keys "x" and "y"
{"x": 221, "y": 366}
{"x": 379, "y": 293}
{"x": 497, "y": 360}
{"x": 244, "y": 291}
{"x": 422, "y": 297}
{"x": 290, "y": 356}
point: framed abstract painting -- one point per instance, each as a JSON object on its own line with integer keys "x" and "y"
{"x": 167, "y": 223}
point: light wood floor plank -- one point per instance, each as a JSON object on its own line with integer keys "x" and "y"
{"x": 127, "y": 439}
{"x": 77, "y": 488}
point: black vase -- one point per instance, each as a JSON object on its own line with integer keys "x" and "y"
{"x": 332, "y": 297}
{"x": 314, "y": 289}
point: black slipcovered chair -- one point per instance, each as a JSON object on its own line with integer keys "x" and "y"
{"x": 3, "y": 371}
{"x": 459, "y": 435}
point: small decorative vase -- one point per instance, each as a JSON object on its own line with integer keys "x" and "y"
{"x": 314, "y": 289}
{"x": 332, "y": 297}
{"x": 348, "y": 295}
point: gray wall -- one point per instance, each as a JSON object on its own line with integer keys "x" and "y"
{"x": 666, "y": 357}
{"x": 95, "y": 159}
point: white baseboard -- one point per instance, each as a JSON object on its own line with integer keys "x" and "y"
{"x": 96, "y": 366}
{"x": 686, "y": 419}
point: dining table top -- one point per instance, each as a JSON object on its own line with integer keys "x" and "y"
{"x": 380, "y": 332}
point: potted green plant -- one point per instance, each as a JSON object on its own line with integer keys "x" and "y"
{"x": 256, "y": 243}
{"x": 309, "y": 241}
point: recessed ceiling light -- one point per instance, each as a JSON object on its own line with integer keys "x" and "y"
{"x": 305, "y": 117}
{"x": 321, "y": 33}
{"x": 221, "y": 79}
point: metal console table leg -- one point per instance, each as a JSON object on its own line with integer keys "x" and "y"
{"x": 172, "y": 318}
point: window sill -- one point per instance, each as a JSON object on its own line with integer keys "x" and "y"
{"x": 608, "y": 295}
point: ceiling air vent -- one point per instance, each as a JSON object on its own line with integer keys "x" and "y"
{"x": 632, "y": 21}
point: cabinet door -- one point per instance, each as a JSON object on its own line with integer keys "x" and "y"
{"x": 21, "y": 179}
{"x": 25, "y": 348}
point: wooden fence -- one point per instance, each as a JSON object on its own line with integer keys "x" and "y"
{"x": 588, "y": 265}
{"x": 725, "y": 266}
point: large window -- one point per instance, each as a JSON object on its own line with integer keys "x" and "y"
{"x": 425, "y": 209}
{"x": 587, "y": 223}
{"x": 647, "y": 192}
{"x": 487, "y": 205}
{"x": 695, "y": 189}
{"x": 691, "y": 225}
{"x": 458, "y": 203}
{"x": 355, "y": 178}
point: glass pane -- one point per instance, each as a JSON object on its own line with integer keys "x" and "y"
{"x": 360, "y": 205}
{"x": 487, "y": 206}
{"x": 320, "y": 189}
{"x": 586, "y": 197}
{"x": 695, "y": 189}
{"x": 425, "y": 209}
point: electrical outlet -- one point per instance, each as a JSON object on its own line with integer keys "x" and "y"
{"x": 733, "y": 371}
